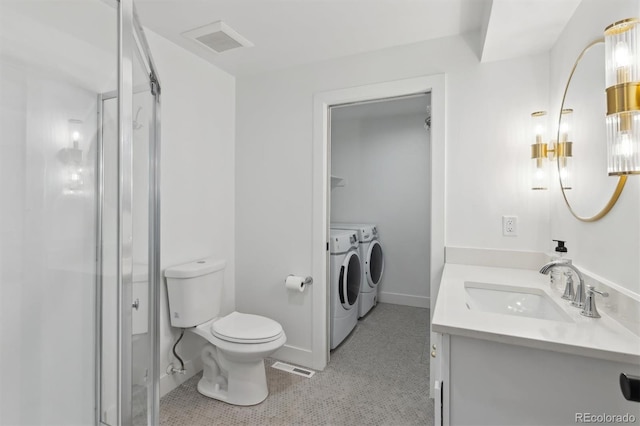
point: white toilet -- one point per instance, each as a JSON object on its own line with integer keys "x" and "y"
{"x": 234, "y": 360}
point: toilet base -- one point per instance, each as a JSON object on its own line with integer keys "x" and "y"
{"x": 237, "y": 391}
{"x": 234, "y": 372}
{"x": 236, "y": 383}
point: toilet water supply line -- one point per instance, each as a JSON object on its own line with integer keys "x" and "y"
{"x": 171, "y": 369}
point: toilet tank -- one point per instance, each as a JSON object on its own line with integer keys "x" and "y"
{"x": 195, "y": 291}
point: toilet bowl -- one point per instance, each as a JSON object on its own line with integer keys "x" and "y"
{"x": 233, "y": 361}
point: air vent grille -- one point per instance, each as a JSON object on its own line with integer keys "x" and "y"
{"x": 293, "y": 369}
{"x": 218, "y": 37}
{"x": 219, "y": 42}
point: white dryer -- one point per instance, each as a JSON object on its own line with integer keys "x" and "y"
{"x": 345, "y": 284}
{"x": 372, "y": 259}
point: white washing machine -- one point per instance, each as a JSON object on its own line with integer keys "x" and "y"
{"x": 345, "y": 284}
{"x": 372, "y": 263}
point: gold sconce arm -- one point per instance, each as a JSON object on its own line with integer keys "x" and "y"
{"x": 542, "y": 150}
{"x": 539, "y": 150}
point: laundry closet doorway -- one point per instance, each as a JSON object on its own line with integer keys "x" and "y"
{"x": 325, "y": 105}
{"x": 380, "y": 175}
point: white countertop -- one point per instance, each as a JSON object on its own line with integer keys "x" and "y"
{"x": 602, "y": 338}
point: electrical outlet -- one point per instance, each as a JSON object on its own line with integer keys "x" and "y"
{"x": 510, "y": 226}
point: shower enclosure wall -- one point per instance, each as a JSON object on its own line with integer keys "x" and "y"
{"x": 79, "y": 216}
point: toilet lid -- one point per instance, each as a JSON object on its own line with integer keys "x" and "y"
{"x": 246, "y": 328}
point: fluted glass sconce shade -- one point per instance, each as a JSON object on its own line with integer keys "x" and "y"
{"x": 539, "y": 126}
{"x": 623, "y": 96}
{"x": 566, "y": 125}
{"x": 539, "y": 173}
{"x": 564, "y": 149}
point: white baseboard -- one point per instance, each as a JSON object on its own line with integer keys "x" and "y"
{"x": 295, "y": 355}
{"x": 403, "y": 299}
{"x": 169, "y": 382}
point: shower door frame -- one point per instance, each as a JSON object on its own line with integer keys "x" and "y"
{"x": 130, "y": 36}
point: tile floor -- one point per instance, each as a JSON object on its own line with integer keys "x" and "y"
{"x": 378, "y": 376}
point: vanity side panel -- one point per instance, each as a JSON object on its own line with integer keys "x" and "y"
{"x": 499, "y": 384}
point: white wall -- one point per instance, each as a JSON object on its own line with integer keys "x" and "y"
{"x": 610, "y": 247}
{"x": 488, "y": 153}
{"x": 488, "y": 110}
{"x": 198, "y": 122}
{"x": 385, "y": 161}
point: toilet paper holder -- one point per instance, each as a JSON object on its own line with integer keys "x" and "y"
{"x": 307, "y": 280}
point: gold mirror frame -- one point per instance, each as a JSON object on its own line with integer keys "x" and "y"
{"x": 621, "y": 181}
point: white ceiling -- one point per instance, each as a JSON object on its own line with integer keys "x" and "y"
{"x": 292, "y": 32}
{"x": 525, "y": 26}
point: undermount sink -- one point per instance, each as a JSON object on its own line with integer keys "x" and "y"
{"x": 511, "y": 300}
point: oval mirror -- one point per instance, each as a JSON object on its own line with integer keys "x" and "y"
{"x": 588, "y": 190}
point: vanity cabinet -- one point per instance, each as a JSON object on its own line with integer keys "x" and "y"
{"x": 497, "y": 366}
{"x": 491, "y": 383}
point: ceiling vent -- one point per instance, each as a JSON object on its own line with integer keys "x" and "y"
{"x": 218, "y": 37}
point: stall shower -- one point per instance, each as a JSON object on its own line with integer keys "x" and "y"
{"x": 79, "y": 246}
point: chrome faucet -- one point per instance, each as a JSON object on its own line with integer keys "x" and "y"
{"x": 590, "y": 309}
{"x": 577, "y": 298}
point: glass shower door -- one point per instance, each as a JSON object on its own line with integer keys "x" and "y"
{"x": 143, "y": 253}
{"x": 79, "y": 231}
{"x": 142, "y": 324}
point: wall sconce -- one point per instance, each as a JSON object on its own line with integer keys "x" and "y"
{"x": 540, "y": 151}
{"x": 72, "y": 158}
{"x": 622, "y": 55}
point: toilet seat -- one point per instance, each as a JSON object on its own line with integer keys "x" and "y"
{"x": 246, "y": 328}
